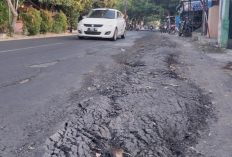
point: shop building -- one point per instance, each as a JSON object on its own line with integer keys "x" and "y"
{"x": 215, "y": 17}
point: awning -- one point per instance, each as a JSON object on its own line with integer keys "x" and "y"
{"x": 179, "y": 6}
{"x": 196, "y": 6}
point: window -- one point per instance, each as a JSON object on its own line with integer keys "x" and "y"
{"x": 109, "y": 14}
{"x": 118, "y": 15}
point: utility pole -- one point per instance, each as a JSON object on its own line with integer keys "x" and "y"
{"x": 125, "y": 4}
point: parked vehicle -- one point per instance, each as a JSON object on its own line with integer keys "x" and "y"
{"x": 104, "y": 23}
{"x": 137, "y": 27}
{"x": 131, "y": 27}
{"x": 151, "y": 28}
{"x": 177, "y": 29}
{"x": 185, "y": 28}
{"x": 172, "y": 30}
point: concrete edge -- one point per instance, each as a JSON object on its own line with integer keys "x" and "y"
{"x": 1, "y": 40}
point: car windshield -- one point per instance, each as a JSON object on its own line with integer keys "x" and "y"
{"x": 109, "y": 14}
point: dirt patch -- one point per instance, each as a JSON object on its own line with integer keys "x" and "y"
{"x": 228, "y": 66}
{"x": 210, "y": 49}
{"x": 140, "y": 105}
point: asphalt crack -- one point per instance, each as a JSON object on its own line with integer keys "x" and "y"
{"x": 43, "y": 65}
{"x": 21, "y": 81}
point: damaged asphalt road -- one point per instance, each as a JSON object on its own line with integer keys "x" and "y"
{"x": 152, "y": 96}
{"x": 140, "y": 106}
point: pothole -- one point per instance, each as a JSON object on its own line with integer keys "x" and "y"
{"x": 44, "y": 65}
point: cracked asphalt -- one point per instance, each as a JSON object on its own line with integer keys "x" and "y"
{"x": 146, "y": 96}
{"x": 36, "y": 79}
{"x": 140, "y": 104}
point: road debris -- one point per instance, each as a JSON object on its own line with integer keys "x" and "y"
{"x": 31, "y": 146}
{"x": 174, "y": 85}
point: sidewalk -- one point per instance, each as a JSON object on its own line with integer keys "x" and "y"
{"x": 209, "y": 68}
{"x": 204, "y": 40}
{"x": 4, "y": 37}
{"x": 222, "y": 57}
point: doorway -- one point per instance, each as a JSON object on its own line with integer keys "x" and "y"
{"x": 230, "y": 27}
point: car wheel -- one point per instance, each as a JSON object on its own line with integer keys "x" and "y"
{"x": 124, "y": 34}
{"x": 115, "y": 35}
{"x": 80, "y": 37}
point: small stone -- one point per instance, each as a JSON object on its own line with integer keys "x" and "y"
{"x": 55, "y": 137}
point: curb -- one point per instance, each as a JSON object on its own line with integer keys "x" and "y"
{"x": 37, "y": 37}
{"x": 204, "y": 40}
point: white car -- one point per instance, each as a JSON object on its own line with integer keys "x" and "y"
{"x": 103, "y": 23}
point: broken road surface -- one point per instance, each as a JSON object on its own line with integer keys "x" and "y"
{"x": 161, "y": 96}
{"x": 141, "y": 104}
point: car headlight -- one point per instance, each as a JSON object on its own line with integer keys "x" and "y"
{"x": 80, "y": 24}
{"x": 109, "y": 24}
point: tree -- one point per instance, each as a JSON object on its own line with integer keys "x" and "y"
{"x": 14, "y": 13}
{"x": 3, "y": 16}
{"x": 73, "y": 11}
{"x": 147, "y": 10}
{"x": 104, "y": 3}
{"x": 48, "y": 4}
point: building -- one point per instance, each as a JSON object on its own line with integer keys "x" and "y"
{"x": 215, "y": 18}
{"x": 225, "y": 24}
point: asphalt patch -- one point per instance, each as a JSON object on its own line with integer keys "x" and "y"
{"x": 139, "y": 105}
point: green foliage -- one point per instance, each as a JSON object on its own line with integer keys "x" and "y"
{"x": 24, "y": 30}
{"x": 58, "y": 2}
{"x": 60, "y": 23}
{"x": 46, "y": 24}
{"x": 32, "y": 21}
{"x": 156, "y": 9}
{"x": 72, "y": 17}
{"x": 104, "y": 3}
{"x": 3, "y": 16}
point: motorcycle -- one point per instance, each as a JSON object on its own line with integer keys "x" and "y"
{"x": 172, "y": 30}
{"x": 181, "y": 26}
{"x": 187, "y": 29}
{"x": 137, "y": 28}
{"x": 130, "y": 28}
{"x": 161, "y": 29}
{"x": 151, "y": 28}
{"x": 164, "y": 30}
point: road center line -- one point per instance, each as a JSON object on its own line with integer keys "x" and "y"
{"x": 30, "y": 47}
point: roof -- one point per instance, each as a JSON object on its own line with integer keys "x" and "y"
{"x": 104, "y": 9}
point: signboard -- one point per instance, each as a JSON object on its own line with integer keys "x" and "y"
{"x": 177, "y": 20}
{"x": 196, "y": 6}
